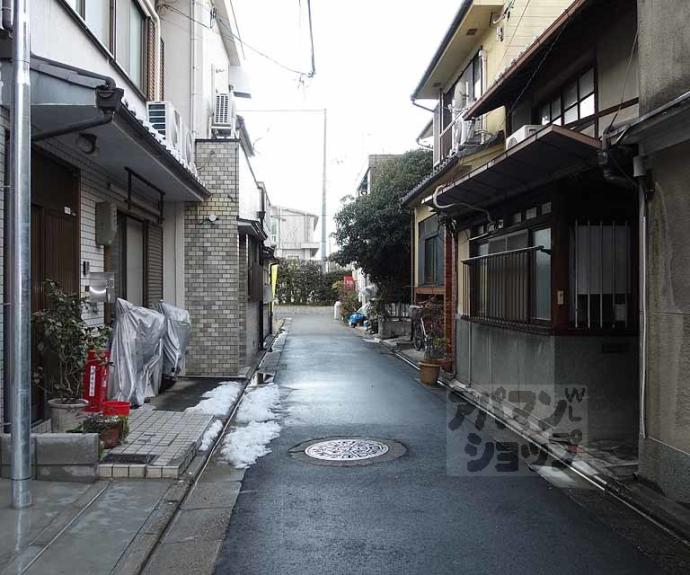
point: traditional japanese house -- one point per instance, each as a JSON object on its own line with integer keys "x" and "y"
{"x": 547, "y": 229}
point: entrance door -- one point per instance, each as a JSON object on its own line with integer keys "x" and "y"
{"x": 54, "y": 239}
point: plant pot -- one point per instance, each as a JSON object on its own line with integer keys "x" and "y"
{"x": 66, "y": 416}
{"x": 428, "y": 372}
{"x": 111, "y": 436}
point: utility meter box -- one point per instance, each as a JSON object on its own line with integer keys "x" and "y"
{"x": 106, "y": 223}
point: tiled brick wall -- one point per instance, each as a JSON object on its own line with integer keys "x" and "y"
{"x": 4, "y": 179}
{"x": 242, "y": 277}
{"x": 212, "y": 262}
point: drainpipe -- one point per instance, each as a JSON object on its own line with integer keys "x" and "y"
{"x": 19, "y": 258}
{"x": 192, "y": 78}
{"x": 151, "y": 9}
{"x": 639, "y": 173}
{"x": 638, "y": 185}
{"x": 412, "y": 257}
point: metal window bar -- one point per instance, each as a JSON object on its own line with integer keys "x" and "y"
{"x": 501, "y": 286}
{"x": 597, "y": 282}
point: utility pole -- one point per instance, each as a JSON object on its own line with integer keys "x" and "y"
{"x": 19, "y": 258}
{"x": 324, "y": 263}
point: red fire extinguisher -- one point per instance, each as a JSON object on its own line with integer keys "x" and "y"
{"x": 95, "y": 381}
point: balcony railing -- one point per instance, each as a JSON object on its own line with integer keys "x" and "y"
{"x": 503, "y": 287}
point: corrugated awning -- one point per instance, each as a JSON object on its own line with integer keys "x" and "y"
{"x": 549, "y": 155}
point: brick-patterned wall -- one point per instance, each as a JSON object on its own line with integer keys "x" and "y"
{"x": 4, "y": 179}
{"x": 212, "y": 262}
{"x": 449, "y": 297}
{"x": 242, "y": 290}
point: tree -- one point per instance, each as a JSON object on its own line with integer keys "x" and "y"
{"x": 373, "y": 231}
{"x": 303, "y": 283}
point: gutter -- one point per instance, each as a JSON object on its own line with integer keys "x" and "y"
{"x": 108, "y": 101}
{"x": 459, "y": 17}
{"x": 655, "y": 513}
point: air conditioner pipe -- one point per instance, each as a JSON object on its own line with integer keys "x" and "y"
{"x": 434, "y": 201}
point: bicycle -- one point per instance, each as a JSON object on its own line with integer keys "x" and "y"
{"x": 418, "y": 330}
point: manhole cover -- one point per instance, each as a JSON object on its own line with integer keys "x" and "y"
{"x": 347, "y": 451}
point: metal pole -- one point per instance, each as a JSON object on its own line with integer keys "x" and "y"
{"x": 19, "y": 258}
{"x": 323, "y": 194}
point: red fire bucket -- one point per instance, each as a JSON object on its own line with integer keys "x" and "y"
{"x": 116, "y": 408}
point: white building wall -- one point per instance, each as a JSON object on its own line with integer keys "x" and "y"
{"x": 250, "y": 194}
{"x": 56, "y": 35}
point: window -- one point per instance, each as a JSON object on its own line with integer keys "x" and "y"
{"x": 430, "y": 253}
{"x": 575, "y": 101}
{"x": 601, "y": 274}
{"x": 96, "y": 14}
{"x": 129, "y": 45}
{"x": 509, "y": 280}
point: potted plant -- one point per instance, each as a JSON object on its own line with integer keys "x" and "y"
{"x": 110, "y": 429}
{"x": 63, "y": 340}
{"x": 434, "y": 344}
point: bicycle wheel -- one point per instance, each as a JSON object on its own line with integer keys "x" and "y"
{"x": 418, "y": 337}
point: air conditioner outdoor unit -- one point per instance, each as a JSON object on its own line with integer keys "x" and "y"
{"x": 522, "y": 134}
{"x": 224, "y": 115}
{"x": 166, "y": 120}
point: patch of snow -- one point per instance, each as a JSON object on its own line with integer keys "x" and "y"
{"x": 244, "y": 445}
{"x": 210, "y": 435}
{"x": 260, "y": 404}
{"x": 218, "y": 400}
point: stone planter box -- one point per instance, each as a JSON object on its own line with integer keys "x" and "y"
{"x": 393, "y": 328}
{"x": 57, "y": 456}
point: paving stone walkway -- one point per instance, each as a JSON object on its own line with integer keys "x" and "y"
{"x": 160, "y": 444}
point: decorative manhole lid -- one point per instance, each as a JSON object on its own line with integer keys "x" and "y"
{"x": 347, "y": 451}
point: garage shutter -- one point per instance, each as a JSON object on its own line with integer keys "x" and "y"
{"x": 154, "y": 260}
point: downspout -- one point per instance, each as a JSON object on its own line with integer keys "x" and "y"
{"x": 639, "y": 173}
{"x": 414, "y": 103}
{"x": 412, "y": 256}
{"x": 151, "y": 9}
{"x": 192, "y": 78}
{"x": 637, "y": 184}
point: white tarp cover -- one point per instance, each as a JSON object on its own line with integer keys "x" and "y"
{"x": 178, "y": 333}
{"x": 136, "y": 353}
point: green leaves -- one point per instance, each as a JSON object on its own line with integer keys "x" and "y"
{"x": 303, "y": 283}
{"x": 62, "y": 340}
{"x": 373, "y": 231}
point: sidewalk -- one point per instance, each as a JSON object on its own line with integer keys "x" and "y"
{"x": 113, "y": 525}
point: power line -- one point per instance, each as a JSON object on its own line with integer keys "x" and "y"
{"x": 237, "y": 27}
{"x": 311, "y": 39}
{"x": 234, "y": 36}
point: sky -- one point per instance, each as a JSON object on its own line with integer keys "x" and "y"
{"x": 369, "y": 56}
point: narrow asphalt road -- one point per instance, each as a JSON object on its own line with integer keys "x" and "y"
{"x": 418, "y": 514}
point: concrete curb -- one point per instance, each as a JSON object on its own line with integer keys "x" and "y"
{"x": 140, "y": 550}
{"x": 662, "y": 512}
